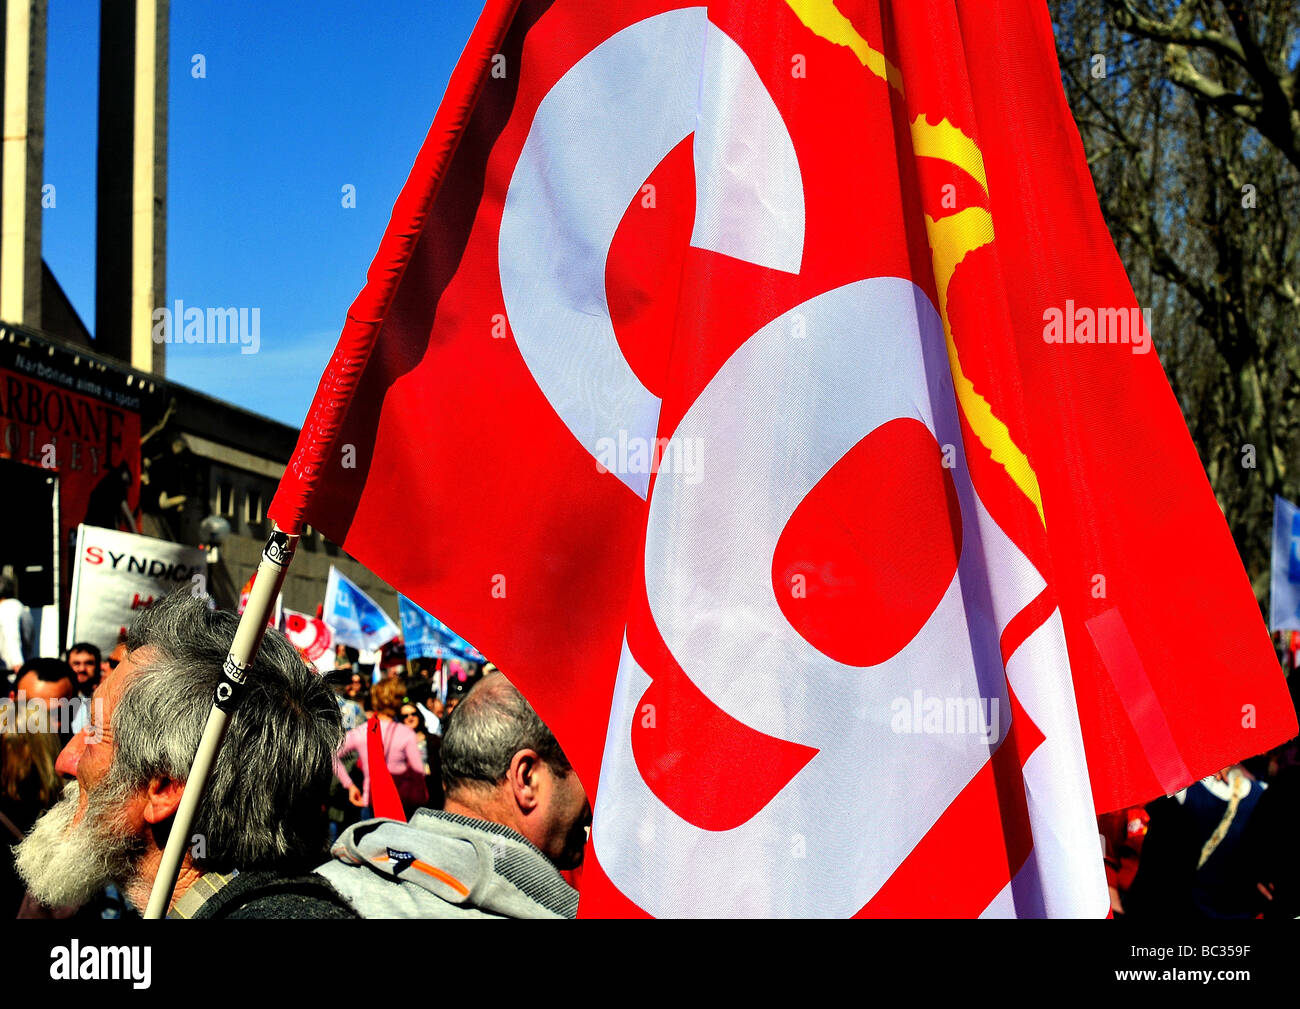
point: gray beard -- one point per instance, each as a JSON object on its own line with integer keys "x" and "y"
{"x": 66, "y": 866}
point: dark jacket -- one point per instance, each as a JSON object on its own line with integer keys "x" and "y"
{"x": 271, "y": 895}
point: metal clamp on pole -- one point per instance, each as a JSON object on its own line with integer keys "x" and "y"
{"x": 276, "y": 558}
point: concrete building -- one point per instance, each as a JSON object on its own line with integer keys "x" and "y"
{"x": 91, "y": 431}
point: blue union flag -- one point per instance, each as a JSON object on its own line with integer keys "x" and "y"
{"x": 427, "y": 637}
{"x": 354, "y": 617}
{"x": 1284, "y": 602}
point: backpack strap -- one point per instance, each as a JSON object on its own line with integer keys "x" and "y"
{"x": 265, "y": 894}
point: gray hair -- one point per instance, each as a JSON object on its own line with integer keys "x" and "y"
{"x": 491, "y": 725}
{"x": 264, "y": 804}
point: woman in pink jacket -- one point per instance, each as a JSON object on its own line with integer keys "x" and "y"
{"x": 400, "y": 747}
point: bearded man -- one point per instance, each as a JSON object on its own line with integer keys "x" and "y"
{"x": 261, "y": 824}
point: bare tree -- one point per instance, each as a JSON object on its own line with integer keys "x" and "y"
{"x": 1188, "y": 114}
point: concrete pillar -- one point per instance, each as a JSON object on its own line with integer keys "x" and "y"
{"x": 113, "y": 179}
{"x": 23, "y": 162}
{"x": 131, "y": 225}
{"x": 149, "y": 203}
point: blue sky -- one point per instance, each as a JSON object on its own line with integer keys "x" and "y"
{"x": 299, "y": 99}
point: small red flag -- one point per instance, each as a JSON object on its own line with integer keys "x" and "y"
{"x": 384, "y": 797}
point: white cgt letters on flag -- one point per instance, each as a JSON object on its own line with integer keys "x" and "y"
{"x": 869, "y": 795}
{"x": 558, "y": 210}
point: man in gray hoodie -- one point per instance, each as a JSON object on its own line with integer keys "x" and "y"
{"x": 515, "y": 815}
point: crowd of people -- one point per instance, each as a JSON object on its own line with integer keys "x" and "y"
{"x": 491, "y": 818}
{"x": 397, "y": 794}
{"x": 1222, "y": 848}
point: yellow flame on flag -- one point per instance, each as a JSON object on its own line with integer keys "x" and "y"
{"x": 946, "y": 142}
{"x": 822, "y": 18}
{"x": 951, "y": 238}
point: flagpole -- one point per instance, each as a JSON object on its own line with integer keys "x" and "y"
{"x": 276, "y": 558}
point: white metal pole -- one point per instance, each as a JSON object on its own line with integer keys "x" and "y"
{"x": 276, "y": 557}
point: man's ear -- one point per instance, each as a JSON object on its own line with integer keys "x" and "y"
{"x": 522, "y": 777}
{"x": 161, "y": 799}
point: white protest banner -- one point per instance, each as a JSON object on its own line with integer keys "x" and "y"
{"x": 116, "y": 575}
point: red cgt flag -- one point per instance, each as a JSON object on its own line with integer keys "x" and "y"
{"x": 819, "y": 486}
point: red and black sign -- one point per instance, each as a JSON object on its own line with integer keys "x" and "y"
{"x": 78, "y": 420}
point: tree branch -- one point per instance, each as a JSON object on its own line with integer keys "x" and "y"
{"x": 1179, "y": 32}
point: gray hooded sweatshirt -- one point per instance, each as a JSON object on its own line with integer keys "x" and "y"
{"x": 442, "y": 865}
